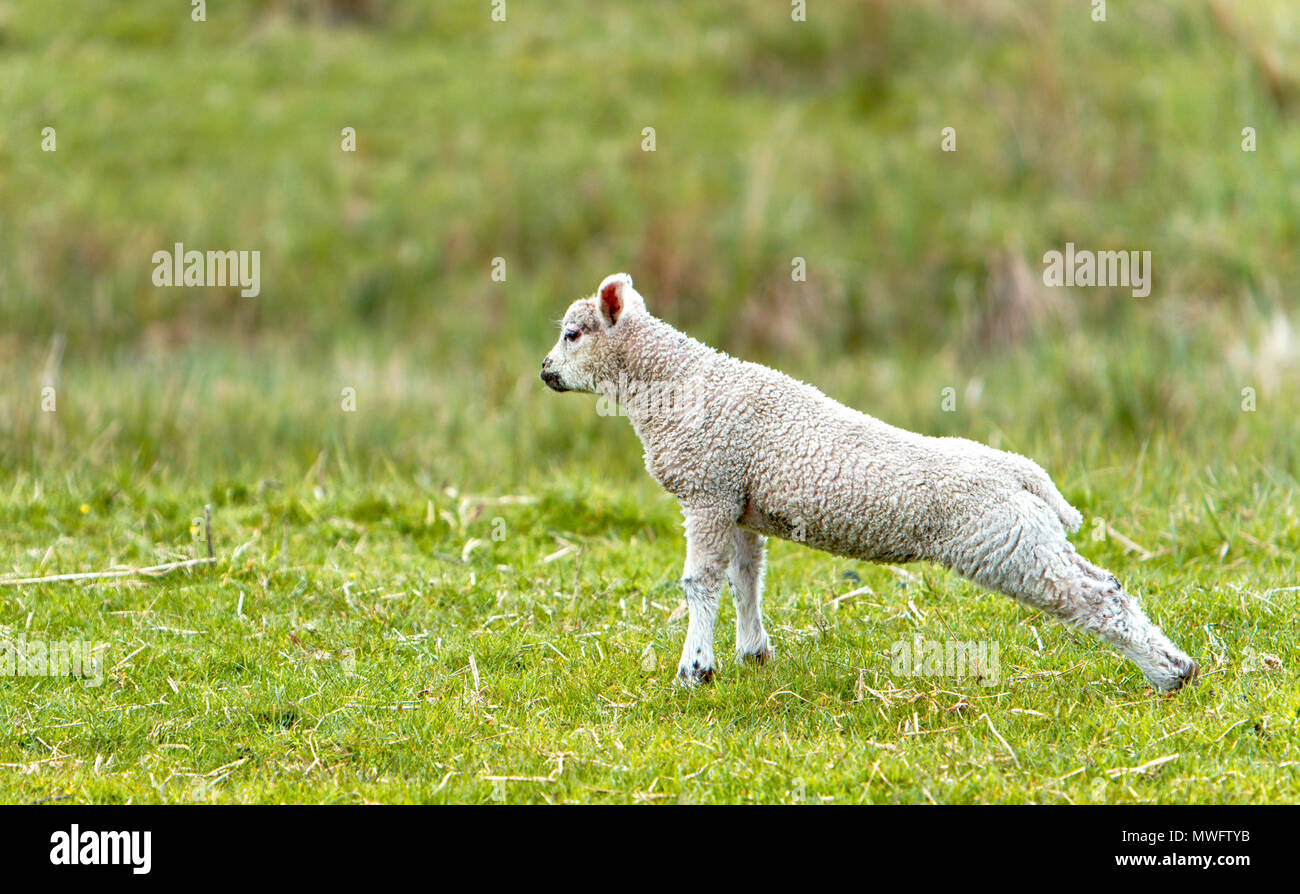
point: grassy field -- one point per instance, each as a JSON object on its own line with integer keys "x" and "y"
{"x": 465, "y": 590}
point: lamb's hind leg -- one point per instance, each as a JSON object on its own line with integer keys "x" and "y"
{"x": 1029, "y": 558}
{"x": 746, "y": 576}
{"x": 1096, "y": 602}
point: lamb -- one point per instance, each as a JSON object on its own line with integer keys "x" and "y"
{"x": 750, "y": 453}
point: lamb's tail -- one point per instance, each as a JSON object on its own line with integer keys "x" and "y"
{"x": 1037, "y": 482}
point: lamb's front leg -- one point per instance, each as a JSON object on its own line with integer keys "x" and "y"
{"x": 708, "y": 550}
{"x": 746, "y": 576}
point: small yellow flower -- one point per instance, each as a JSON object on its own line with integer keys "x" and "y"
{"x": 194, "y": 530}
{"x": 85, "y": 509}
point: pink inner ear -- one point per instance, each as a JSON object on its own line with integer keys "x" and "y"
{"x": 612, "y": 300}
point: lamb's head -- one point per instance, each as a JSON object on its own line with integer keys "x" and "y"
{"x": 589, "y": 352}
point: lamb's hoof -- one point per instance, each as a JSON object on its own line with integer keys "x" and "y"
{"x": 1183, "y": 674}
{"x": 761, "y": 657}
{"x": 1189, "y": 675}
{"x": 690, "y": 676}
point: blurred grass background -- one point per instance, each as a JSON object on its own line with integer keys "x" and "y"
{"x": 522, "y": 140}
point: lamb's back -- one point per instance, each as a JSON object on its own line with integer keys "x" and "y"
{"x": 800, "y": 465}
{"x": 828, "y": 475}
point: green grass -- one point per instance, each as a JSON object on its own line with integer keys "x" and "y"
{"x": 327, "y": 657}
{"x": 367, "y": 567}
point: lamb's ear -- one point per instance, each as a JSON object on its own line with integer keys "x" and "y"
{"x": 616, "y": 298}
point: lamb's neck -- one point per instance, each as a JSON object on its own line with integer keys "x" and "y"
{"x": 659, "y": 365}
{"x": 657, "y": 352}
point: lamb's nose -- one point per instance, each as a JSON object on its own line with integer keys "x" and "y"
{"x": 551, "y": 377}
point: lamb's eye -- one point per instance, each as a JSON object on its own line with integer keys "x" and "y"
{"x": 571, "y": 334}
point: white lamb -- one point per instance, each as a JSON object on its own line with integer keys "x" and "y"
{"x": 749, "y": 451}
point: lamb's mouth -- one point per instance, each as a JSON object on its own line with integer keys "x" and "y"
{"x": 552, "y": 380}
